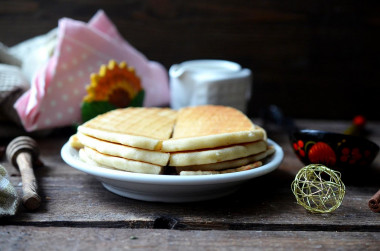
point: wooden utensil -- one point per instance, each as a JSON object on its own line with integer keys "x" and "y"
{"x": 23, "y": 152}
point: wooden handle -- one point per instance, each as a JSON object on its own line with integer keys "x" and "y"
{"x": 30, "y": 198}
{"x": 23, "y": 152}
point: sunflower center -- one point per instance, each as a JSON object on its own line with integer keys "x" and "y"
{"x": 119, "y": 98}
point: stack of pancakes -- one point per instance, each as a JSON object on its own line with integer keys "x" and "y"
{"x": 194, "y": 140}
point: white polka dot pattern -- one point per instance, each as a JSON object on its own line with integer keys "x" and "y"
{"x": 57, "y": 91}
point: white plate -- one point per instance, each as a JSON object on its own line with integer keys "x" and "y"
{"x": 171, "y": 188}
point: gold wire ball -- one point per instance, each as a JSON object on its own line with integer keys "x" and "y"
{"x": 318, "y": 188}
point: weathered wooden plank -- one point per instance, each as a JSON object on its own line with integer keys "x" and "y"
{"x": 81, "y": 200}
{"x": 53, "y": 238}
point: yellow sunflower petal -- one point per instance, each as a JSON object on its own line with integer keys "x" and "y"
{"x": 111, "y": 79}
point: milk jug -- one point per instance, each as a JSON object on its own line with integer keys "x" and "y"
{"x": 218, "y": 82}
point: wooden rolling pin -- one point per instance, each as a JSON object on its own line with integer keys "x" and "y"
{"x": 23, "y": 153}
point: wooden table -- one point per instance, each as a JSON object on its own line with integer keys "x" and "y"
{"x": 77, "y": 213}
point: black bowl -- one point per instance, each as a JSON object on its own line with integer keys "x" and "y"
{"x": 334, "y": 150}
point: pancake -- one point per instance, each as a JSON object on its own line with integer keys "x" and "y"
{"x": 118, "y": 150}
{"x": 145, "y": 140}
{"x": 229, "y": 163}
{"x": 216, "y": 154}
{"x": 211, "y": 126}
{"x": 231, "y": 170}
{"x": 141, "y": 127}
{"x": 119, "y": 163}
{"x": 83, "y": 156}
{"x": 74, "y": 142}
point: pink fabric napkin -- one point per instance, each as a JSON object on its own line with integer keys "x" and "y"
{"x": 58, "y": 88}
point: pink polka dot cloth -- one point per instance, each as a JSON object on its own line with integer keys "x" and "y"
{"x": 57, "y": 90}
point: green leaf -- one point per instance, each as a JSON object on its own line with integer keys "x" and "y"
{"x": 92, "y": 109}
{"x": 138, "y": 100}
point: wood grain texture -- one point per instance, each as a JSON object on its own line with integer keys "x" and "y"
{"x": 85, "y": 203}
{"x": 23, "y": 238}
{"x": 315, "y": 59}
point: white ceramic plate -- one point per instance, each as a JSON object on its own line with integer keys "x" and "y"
{"x": 171, "y": 188}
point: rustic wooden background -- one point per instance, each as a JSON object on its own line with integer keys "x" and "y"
{"x": 314, "y": 59}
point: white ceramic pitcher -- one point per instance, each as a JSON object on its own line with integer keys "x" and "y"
{"x": 218, "y": 82}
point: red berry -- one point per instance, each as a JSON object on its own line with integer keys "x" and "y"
{"x": 359, "y": 121}
{"x": 300, "y": 143}
{"x": 322, "y": 153}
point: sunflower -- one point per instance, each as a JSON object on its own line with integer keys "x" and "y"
{"x": 115, "y": 86}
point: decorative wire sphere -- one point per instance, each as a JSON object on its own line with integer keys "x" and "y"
{"x": 318, "y": 188}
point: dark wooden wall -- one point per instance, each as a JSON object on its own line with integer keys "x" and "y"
{"x": 314, "y": 59}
